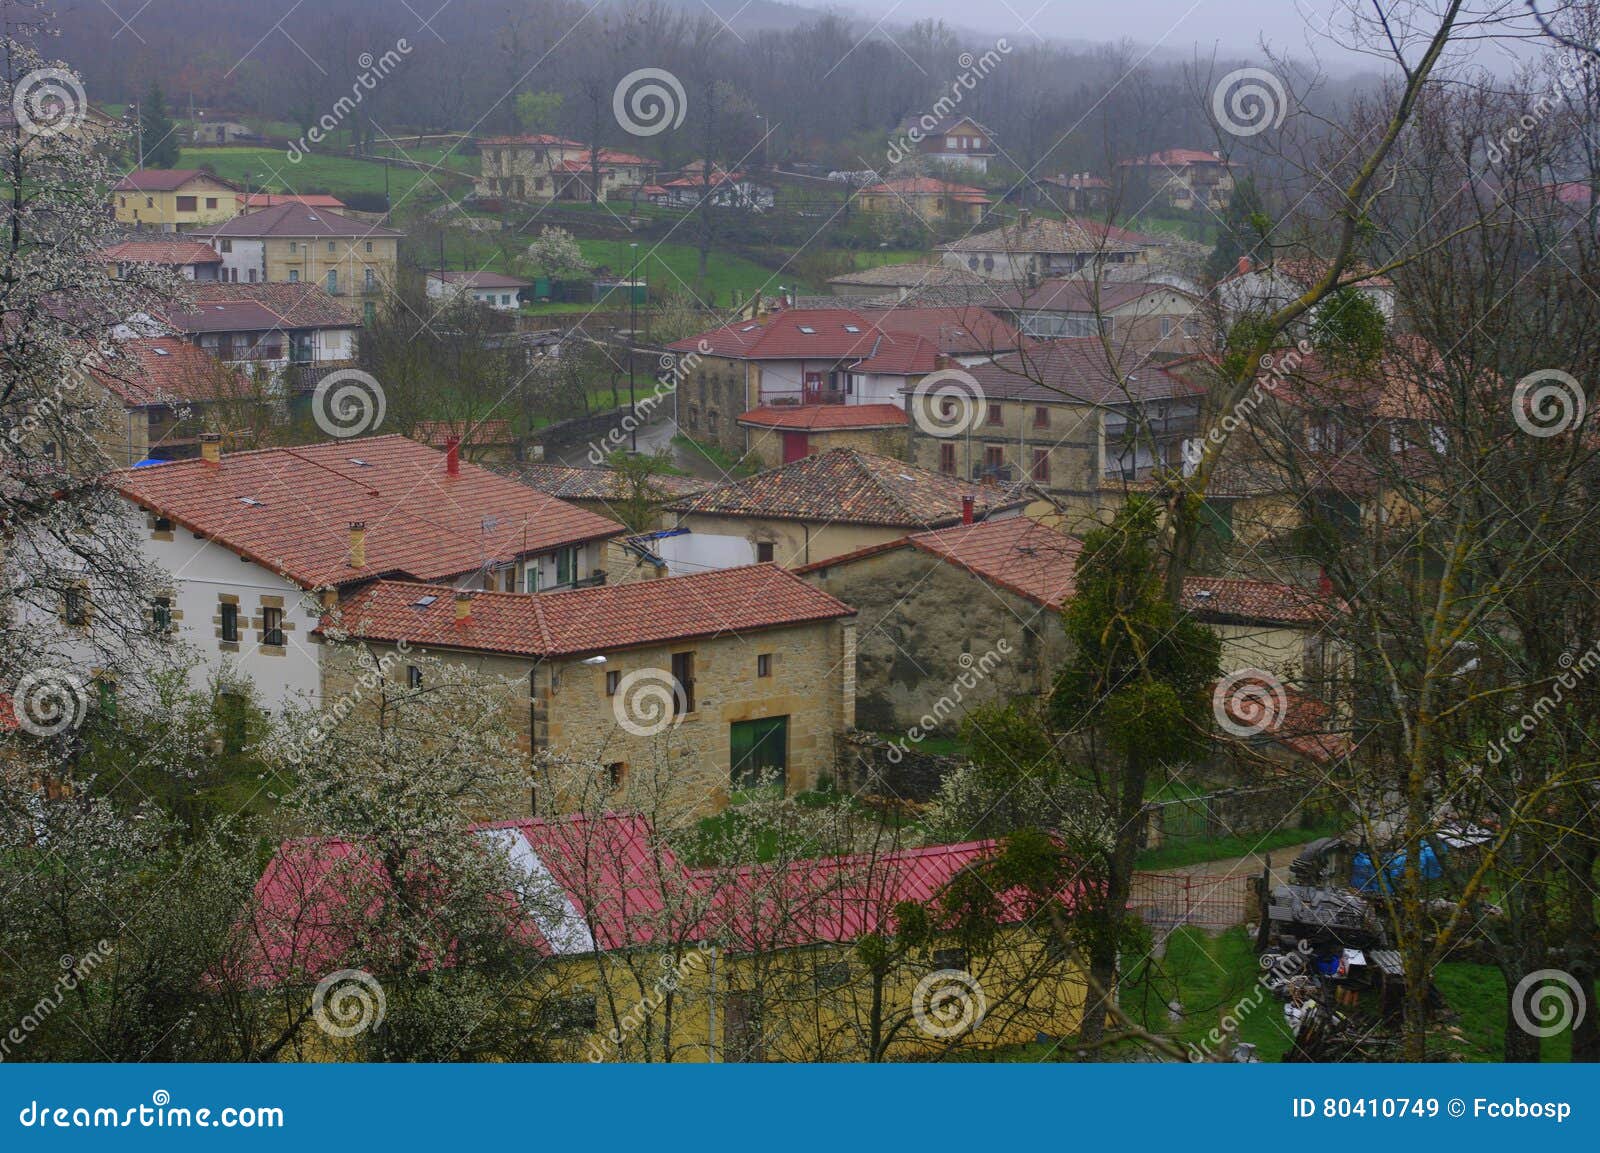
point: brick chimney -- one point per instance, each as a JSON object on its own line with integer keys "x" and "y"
{"x": 1244, "y": 266}
{"x": 452, "y": 456}
{"x": 1324, "y": 583}
{"x": 463, "y": 609}
{"x": 967, "y": 503}
{"x": 211, "y": 447}
{"x": 358, "y": 544}
{"x": 941, "y": 362}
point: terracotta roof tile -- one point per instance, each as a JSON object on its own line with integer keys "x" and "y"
{"x": 845, "y": 486}
{"x": 728, "y": 601}
{"x": 420, "y": 522}
{"x": 165, "y": 370}
{"x": 1077, "y": 369}
{"x": 827, "y": 416}
{"x": 570, "y": 483}
{"x": 222, "y": 307}
{"x": 171, "y": 253}
{"x": 298, "y": 220}
{"x": 163, "y": 179}
{"x": 1041, "y": 234}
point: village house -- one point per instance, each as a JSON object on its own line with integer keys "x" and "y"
{"x": 1253, "y": 288}
{"x": 543, "y": 167}
{"x": 757, "y": 666}
{"x": 188, "y": 258}
{"x": 620, "y": 174}
{"x": 929, "y": 200}
{"x": 1006, "y": 582}
{"x": 260, "y": 543}
{"x": 495, "y": 289}
{"x": 1137, "y": 315}
{"x": 293, "y": 244}
{"x": 747, "y": 376}
{"x": 169, "y": 393}
{"x": 1038, "y": 248}
{"x": 1187, "y": 178}
{"x": 1076, "y": 192}
{"x": 902, "y": 279}
{"x": 277, "y": 331}
{"x": 217, "y": 132}
{"x": 169, "y": 199}
{"x": 956, "y": 141}
{"x": 1057, "y": 417}
{"x": 251, "y": 201}
{"x": 770, "y": 972}
{"x": 689, "y": 187}
{"x": 819, "y": 507}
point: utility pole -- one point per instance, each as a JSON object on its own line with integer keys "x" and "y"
{"x": 633, "y": 338}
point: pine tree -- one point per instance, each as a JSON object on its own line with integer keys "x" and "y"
{"x": 158, "y": 137}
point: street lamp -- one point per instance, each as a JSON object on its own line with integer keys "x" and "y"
{"x": 633, "y": 338}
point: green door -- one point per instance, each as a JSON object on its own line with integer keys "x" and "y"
{"x": 759, "y": 749}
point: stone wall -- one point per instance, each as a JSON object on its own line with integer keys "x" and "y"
{"x": 712, "y": 397}
{"x": 897, "y": 770}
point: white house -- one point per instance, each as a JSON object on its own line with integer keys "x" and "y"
{"x": 257, "y": 543}
{"x": 494, "y": 289}
{"x": 1262, "y": 288}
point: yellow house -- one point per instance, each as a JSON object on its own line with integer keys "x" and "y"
{"x": 634, "y": 957}
{"x": 294, "y": 243}
{"x": 167, "y": 199}
{"x": 928, "y": 199}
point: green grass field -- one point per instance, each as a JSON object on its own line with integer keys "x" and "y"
{"x": 271, "y": 169}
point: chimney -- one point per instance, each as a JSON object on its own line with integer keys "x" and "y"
{"x": 1324, "y": 583}
{"x": 1024, "y": 218}
{"x": 1244, "y": 266}
{"x": 966, "y": 509}
{"x": 452, "y": 456}
{"x": 358, "y": 544}
{"x": 463, "y": 609}
{"x": 211, "y": 447}
{"x": 941, "y": 362}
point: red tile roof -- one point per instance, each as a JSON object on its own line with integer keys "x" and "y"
{"x": 607, "y": 484}
{"x": 163, "y": 179}
{"x": 844, "y": 486}
{"x": 1261, "y": 601}
{"x": 955, "y": 331}
{"x": 166, "y": 370}
{"x": 435, "y": 433}
{"x": 171, "y": 253}
{"x": 725, "y": 602}
{"x": 420, "y": 523}
{"x": 222, "y": 307}
{"x": 842, "y": 333}
{"x": 822, "y": 417}
{"x": 906, "y": 357}
{"x": 297, "y": 220}
{"x": 926, "y": 186}
{"x": 1175, "y": 158}
{"x": 478, "y": 279}
{"x": 253, "y": 200}
{"x": 534, "y": 140}
{"x": 1077, "y": 369}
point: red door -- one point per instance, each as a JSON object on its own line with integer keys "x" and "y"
{"x": 795, "y": 447}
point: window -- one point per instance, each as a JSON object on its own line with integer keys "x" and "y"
{"x": 294, "y": 246}
{"x": 211, "y": 202}
{"x": 333, "y": 282}
{"x": 616, "y": 774}
{"x": 1041, "y": 417}
{"x": 566, "y": 566}
{"x": 996, "y": 414}
{"x": 947, "y": 459}
{"x": 1166, "y": 326}
{"x": 1041, "y": 465}
{"x": 505, "y": 297}
{"x": 230, "y": 624}
{"x": 763, "y": 664}
{"x": 272, "y": 627}
{"x": 994, "y": 456}
{"x": 952, "y": 142}
{"x": 413, "y": 677}
{"x": 330, "y": 246}
{"x": 161, "y": 614}
{"x": 75, "y": 606}
{"x": 613, "y": 680}
{"x": 711, "y": 422}
{"x": 683, "y": 674}
{"x": 227, "y": 245}
{"x": 764, "y": 552}
{"x": 370, "y": 279}
{"x": 950, "y": 959}
{"x": 188, "y": 203}
{"x": 149, "y": 201}
{"x": 369, "y": 246}
{"x": 294, "y": 276}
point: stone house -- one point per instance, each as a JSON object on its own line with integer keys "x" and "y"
{"x": 294, "y": 244}
{"x": 726, "y": 675}
{"x": 543, "y": 167}
{"x": 1036, "y": 248}
{"x": 926, "y": 198}
{"x": 967, "y": 615}
{"x": 820, "y": 507}
{"x": 1188, "y": 178}
{"x": 269, "y": 329}
{"x": 170, "y": 393}
{"x": 1139, "y": 316}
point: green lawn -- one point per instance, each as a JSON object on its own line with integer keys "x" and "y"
{"x": 670, "y": 265}
{"x": 1194, "y": 851}
{"x": 272, "y": 170}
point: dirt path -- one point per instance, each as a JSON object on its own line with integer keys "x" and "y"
{"x": 1249, "y": 865}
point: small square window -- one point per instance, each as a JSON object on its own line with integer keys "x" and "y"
{"x": 330, "y": 246}
{"x": 161, "y": 614}
{"x": 163, "y": 524}
{"x": 613, "y": 680}
{"x": 413, "y": 677}
{"x": 950, "y": 959}
{"x": 369, "y": 246}
{"x": 764, "y": 552}
{"x": 1041, "y": 417}
{"x": 763, "y": 664}
{"x": 996, "y": 415}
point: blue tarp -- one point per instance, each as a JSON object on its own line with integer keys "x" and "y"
{"x": 1366, "y": 880}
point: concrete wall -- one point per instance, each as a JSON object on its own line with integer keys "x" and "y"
{"x": 794, "y": 542}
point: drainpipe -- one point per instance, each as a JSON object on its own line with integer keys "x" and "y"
{"x": 711, "y": 1012}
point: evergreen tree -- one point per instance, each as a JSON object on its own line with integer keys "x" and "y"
{"x": 1244, "y": 228}
{"x": 158, "y": 137}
